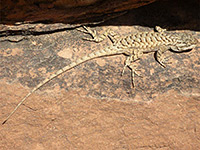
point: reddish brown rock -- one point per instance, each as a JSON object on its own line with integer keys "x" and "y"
{"x": 62, "y": 11}
{"x": 92, "y": 106}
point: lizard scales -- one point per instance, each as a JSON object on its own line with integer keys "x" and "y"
{"x": 147, "y": 41}
{"x": 134, "y": 45}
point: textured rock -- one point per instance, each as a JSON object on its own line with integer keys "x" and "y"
{"x": 92, "y": 106}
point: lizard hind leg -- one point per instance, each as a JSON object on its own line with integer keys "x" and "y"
{"x": 162, "y": 58}
{"x": 135, "y": 55}
{"x": 134, "y": 71}
{"x": 127, "y": 63}
{"x": 113, "y": 36}
{"x": 93, "y": 33}
{"x": 133, "y": 67}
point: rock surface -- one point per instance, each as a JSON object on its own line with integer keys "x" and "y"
{"x": 92, "y": 106}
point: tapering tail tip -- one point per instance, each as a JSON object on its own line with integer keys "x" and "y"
{"x": 104, "y": 52}
{"x": 4, "y": 122}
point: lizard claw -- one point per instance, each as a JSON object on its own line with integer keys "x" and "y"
{"x": 81, "y": 30}
{"x": 124, "y": 70}
{"x": 135, "y": 71}
{"x": 164, "y": 61}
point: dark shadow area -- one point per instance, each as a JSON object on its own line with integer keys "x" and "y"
{"x": 173, "y": 15}
{"x": 169, "y": 14}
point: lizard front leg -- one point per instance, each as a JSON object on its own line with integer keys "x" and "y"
{"x": 159, "y": 29}
{"x": 161, "y": 56}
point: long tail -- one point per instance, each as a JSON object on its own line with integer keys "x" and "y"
{"x": 104, "y": 52}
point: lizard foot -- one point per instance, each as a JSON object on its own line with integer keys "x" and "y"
{"x": 127, "y": 63}
{"x": 95, "y": 38}
{"x": 134, "y": 71}
{"x": 159, "y": 29}
{"x": 164, "y": 61}
{"x": 133, "y": 67}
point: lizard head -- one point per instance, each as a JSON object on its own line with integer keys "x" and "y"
{"x": 183, "y": 42}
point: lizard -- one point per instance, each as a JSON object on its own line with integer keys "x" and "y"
{"x": 133, "y": 46}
